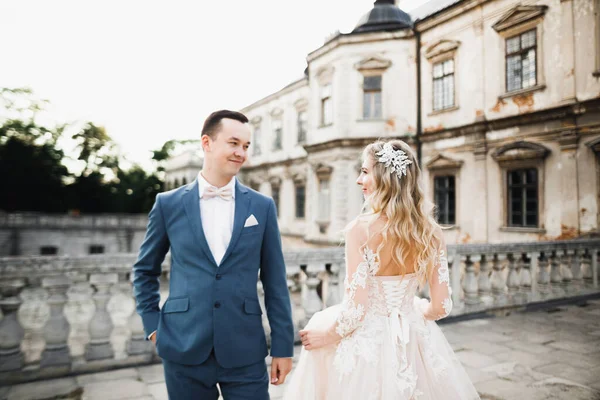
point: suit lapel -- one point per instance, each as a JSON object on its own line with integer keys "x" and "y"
{"x": 191, "y": 202}
{"x": 242, "y": 205}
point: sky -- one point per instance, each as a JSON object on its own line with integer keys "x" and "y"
{"x": 150, "y": 71}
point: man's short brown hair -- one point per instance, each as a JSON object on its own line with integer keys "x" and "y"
{"x": 213, "y": 122}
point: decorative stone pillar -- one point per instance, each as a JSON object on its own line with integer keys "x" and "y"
{"x": 137, "y": 344}
{"x": 485, "y": 285}
{"x": 11, "y": 331}
{"x": 526, "y": 280}
{"x": 498, "y": 283}
{"x": 312, "y": 302}
{"x": 101, "y": 324}
{"x": 512, "y": 280}
{"x": 555, "y": 275}
{"x": 586, "y": 268}
{"x": 333, "y": 289}
{"x": 56, "y": 331}
{"x": 543, "y": 276}
{"x": 454, "y": 265}
{"x": 576, "y": 270}
{"x": 594, "y": 268}
{"x": 470, "y": 283}
{"x": 565, "y": 267}
{"x": 291, "y": 284}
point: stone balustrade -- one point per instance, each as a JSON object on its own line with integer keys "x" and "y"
{"x": 69, "y": 315}
{"x": 95, "y": 222}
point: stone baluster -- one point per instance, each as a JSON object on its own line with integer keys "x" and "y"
{"x": 543, "y": 276}
{"x": 485, "y": 284}
{"x": 11, "y": 331}
{"x": 534, "y": 264}
{"x": 291, "y": 274}
{"x": 526, "y": 279}
{"x": 470, "y": 283}
{"x": 454, "y": 266}
{"x": 498, "y": 281}
{"x": 586, "y": 268}
{"x": 57, "y": 328}
{"x": 101, "y": 324}
{"x": 312, "y": 301}
{"x": 513, "y": 280}
{"x": 137, "y": 343}
{"x": 555, "y": 274}
{"x": 594, "y": 268}
{"x": 333, "y": 289}
{"x": 577, "y": 282}
{"x": 565, "y": 267}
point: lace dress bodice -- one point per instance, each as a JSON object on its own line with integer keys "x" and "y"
{"x": 392, "y": 295}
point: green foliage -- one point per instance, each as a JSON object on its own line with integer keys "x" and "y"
{"x": 33, "y": 177}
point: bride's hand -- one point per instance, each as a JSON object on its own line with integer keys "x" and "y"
{"x": 315, "y": 339}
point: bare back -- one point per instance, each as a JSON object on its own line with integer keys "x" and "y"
{"x": 387, "y": 265}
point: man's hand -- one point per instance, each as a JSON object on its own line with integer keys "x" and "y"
{"x": 315, "y": 339}
{"x": 280, "y": 368}
{"x": 153, "y": 337}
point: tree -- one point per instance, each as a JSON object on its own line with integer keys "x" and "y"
{"x": 32, "y": 176}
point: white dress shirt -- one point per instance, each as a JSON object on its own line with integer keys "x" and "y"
{"x": 217, "y": 218}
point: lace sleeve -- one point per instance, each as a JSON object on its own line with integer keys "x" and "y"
{"x": 439, "y": 289}
{"x": 359, "y": 266}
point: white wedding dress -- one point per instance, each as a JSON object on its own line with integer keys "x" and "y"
{"x": 391, "y": 347}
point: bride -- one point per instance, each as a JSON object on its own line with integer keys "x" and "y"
{"x": 381, "y": 342}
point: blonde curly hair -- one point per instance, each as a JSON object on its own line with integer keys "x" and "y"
{"x": 410, "y": 227}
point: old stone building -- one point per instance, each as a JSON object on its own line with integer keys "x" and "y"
{"x": 502, "y": 104}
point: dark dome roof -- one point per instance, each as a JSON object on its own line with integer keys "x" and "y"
{"x": 384, "y": 16}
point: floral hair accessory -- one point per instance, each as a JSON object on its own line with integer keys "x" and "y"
{"x": 396, "y": 160}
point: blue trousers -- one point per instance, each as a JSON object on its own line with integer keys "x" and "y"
{"x": 199, "y": 382}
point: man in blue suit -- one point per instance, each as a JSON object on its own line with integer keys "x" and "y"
{"x": 221, "y": 234}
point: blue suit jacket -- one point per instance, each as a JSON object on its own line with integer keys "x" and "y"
{"x": 212, "y": 306}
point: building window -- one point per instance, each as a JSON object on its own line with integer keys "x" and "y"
{"x": 48, "y": 250}
{"x": 326, "y": 106}
{"x": 184, "y": 181}
{"x": 443, "y": 85}
{"x": 523, "y": 197}
{"x": 256, "y": 148}
{"x": 302, "y": 126}
{"x": 445, "y": 199}
{"x": 278, "y": 133}
{"x": 372, "y": 97}
{"x": 300, "y": 201}
{"x": 324, "y": 200}
{"x": 521, "y": 61}
{"x": 275, "y": 196}
{"x": 96, "y": 249}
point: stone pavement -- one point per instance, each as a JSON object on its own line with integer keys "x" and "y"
{"x": 552, "y": 353}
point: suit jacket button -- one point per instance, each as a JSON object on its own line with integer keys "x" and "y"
{"x": 218, "y": 276}
{"x": 217, "y": 304}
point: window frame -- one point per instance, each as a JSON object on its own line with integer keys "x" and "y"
{"x": 434, "y": 79}
{"x": 373, "y": 92}
{"x": 523, "y": 187}
{"x": 298, "y": 185}
{"x": 521, "y": 53}
{"x": 277, "y": 128}
{"x": 436, "y": 177}
{"x": 326, "y": 99}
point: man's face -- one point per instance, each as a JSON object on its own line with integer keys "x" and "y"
{"x": 228, "y": 150}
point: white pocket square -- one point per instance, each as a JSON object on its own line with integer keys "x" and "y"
{"x": 251, "y": 221}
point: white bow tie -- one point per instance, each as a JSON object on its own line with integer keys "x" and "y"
{"x": 210, "y": 191}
